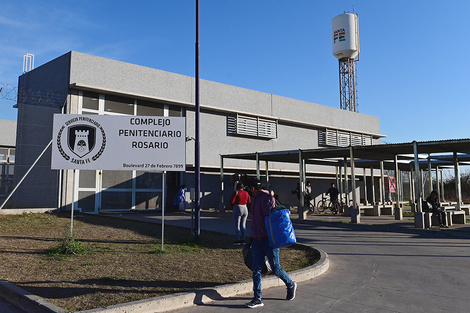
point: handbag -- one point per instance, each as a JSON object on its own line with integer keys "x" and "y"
{"x": 248, "y": 259}
{"x": 279, "y": 227}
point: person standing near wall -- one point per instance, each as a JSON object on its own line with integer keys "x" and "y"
{"x": 239, "y": 202}
{"x": 182, "y": 198}
{"x": 296, "y": 191}
{"x": 261, "y": 205}
{"x": 308, "y": 193}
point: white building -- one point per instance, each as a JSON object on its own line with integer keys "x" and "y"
{"x": 232, "y": 119}
{"x": 7, "y": 156}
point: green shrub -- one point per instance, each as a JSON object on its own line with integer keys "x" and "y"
{"x": 68, "y": 246}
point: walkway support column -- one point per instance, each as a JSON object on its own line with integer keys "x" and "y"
{"x": 429, "y": 173}
{"x": 419, "y": 215}
{"x": 337, "y": 178}
{"x": 372, "y": 185}
{"x": 442, "y": 186}
{"x": 268, "y": 185}
{"x": 398, "y": 210}
{"x": 302, "y": 212}
{"x": 412, "y": 189}
{"x": 423, "y": 185}
{"x": 221, "y": 205}
{"x": 365, "y": 186}
{"x": 355, "y": 211}
{"x": 389, "y": 198}
{"x": 346, "y": 187}
{"x": 339, "y": 185}
{"x": 258, "y": 172}
{"x": 382, "y": 183}
{"x": 458, "y": 187}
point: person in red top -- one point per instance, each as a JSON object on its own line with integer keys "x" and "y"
{"x": 239, "y": 201}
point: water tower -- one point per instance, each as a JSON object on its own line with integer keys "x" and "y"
{"x": 346, "y": 50}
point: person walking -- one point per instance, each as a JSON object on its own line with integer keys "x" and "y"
{"x": 239, "y": 202}
{"x": 261, "y": 205}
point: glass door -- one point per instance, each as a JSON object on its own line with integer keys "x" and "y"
{"x": 87, "y": 185}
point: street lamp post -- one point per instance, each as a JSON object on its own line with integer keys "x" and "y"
{"x": 197, "y": 219}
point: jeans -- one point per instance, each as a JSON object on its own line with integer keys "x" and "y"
{"x": 260, "y": 249}
{"x": 240, "y": 213}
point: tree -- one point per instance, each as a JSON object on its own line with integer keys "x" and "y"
{"x": 449, "y": 187}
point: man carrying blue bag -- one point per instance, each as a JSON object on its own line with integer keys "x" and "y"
{"x": 262, "y": 204}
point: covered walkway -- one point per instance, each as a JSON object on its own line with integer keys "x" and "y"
{"x": 410, "y": 156}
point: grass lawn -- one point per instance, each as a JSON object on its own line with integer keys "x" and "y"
{"x": 123, "y": 262}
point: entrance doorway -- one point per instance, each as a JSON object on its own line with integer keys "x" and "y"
{"x": 99, "y": 191}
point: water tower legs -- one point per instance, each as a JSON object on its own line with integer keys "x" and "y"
{"x": 347, "y": 84}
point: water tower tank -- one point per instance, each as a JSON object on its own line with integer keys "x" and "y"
{"x": 345, "y": 36}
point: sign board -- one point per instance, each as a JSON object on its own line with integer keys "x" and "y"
{"x": 107, "y": 142}
{"x": 392, "y": 184}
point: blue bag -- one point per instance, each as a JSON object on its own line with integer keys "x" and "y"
{"x": 279, "y": 228}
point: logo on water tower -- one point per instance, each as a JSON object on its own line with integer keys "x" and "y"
{"x": 339, "y": 35}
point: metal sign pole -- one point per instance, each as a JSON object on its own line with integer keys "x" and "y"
{"x": 73, "y": 205}
{"x": 163, "y": 206}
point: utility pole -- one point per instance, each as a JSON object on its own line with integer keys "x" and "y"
{"x": 197, "y": 219}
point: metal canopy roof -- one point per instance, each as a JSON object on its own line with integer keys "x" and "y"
{"x": 370, "y": 156}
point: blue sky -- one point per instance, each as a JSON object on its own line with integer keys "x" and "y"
{"x": 412, "y": 71}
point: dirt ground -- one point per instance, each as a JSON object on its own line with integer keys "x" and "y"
{"x": 124, "y": 261}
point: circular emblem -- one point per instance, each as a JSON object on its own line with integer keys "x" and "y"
{"x": 81, "y": 140}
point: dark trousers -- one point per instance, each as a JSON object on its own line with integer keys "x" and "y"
{"x": 441, "y": 217}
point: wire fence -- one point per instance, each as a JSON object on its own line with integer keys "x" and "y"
{"x": 30, "y": 96}
{"x": 8, "y": 92}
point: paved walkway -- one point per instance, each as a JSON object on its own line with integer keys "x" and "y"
{"x": 382, "y": 265}
{"x": 8, "y": 308}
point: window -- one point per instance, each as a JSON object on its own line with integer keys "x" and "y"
{"x": 251, "y": 126}
{"x": 3, "y": 154}
{"x": 117, "y": 104}
{"x": 145, "y": 108}
{"x": 117, "y": 179}
{"x": 146, "y": 180}
{"x": 336, "y": 138}
{"x": 174, "y": 111}
{"x": 90, "y": 100}
{"x": 7, "y": 155}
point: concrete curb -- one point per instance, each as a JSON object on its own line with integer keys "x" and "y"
{"x": 25, "y": 300}
{"x": 207, "y": 295}
{"x": 21, "y": 211}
